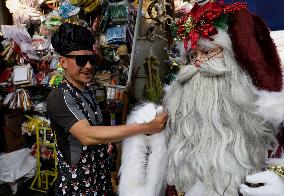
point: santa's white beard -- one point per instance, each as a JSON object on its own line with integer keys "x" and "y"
{"x": 213, "y": 133}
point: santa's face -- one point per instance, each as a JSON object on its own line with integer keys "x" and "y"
{"x": 197, "y": 56}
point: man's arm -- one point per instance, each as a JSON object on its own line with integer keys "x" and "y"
{"x": 91, "y": 135}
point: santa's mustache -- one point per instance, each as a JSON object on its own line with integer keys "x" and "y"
{"x": 212, "y": 67}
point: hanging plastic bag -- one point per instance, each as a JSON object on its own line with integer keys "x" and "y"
{"x": 67, "y": 10}
{"x": 23, "y": 11}
{"x": 118, "y": 14}
{"x": 116, "y": 35}
{"x": 50, "y": 23}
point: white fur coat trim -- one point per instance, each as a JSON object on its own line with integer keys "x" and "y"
{"x": 271, "y": 106}
{"x": 139, "y": 176}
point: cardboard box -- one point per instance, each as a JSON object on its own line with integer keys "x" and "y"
{"x": 10, "y": 141}
{"x": 13, "y": 120}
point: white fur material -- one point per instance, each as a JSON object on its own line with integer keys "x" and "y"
{"x": 142, "y": 174}
{"x": 278, "y": 38}
{"x": 271, "y": 106}
{"x": 198, "y": 189}
{"x": 275, "y": 161}
{"x": 273, "y": 185}
{"x": 201, "y": 2}
{"x": 167, "y": 88}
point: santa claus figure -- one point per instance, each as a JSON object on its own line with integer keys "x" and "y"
{"x": 224, "y": 111}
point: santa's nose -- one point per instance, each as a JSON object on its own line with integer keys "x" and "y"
{"x": 197, "y": 63}
{"x": 200, "y": 58}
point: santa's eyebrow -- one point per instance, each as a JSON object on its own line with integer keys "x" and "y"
{"x": 191, "y": 51}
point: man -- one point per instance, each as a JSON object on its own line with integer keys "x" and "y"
{"x": 214, "y": 136}
{"x": 75, "y": 117}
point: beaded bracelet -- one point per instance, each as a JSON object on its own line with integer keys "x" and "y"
{"x": 277, "y": 169}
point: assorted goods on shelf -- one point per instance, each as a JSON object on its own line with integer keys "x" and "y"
{"x": 29, "y": 69}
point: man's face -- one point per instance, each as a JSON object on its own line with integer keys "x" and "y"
{"x": 200, "y": 55}
{"x": 77, "y": 65}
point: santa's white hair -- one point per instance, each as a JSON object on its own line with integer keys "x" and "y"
{"x": 213, "y": 133}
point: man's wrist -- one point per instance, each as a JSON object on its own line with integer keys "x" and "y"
{"x": 145, "y": 128}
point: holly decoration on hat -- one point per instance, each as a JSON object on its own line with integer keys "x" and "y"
{"x": 202, "y": 21}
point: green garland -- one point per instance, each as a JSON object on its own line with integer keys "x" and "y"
{"x": 153, "y": 90}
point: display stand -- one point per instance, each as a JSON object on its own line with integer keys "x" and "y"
{"x": 45, "y": 178}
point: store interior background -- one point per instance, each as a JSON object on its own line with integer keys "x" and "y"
{"x": 271, "y": 12}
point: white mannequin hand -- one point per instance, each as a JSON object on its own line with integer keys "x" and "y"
{"x": 273, "y": 185}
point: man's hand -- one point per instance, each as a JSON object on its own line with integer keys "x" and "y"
{"x": 157, "y": 124}
{"x": 273, "y": 185}
{"x": 152, "y": 118}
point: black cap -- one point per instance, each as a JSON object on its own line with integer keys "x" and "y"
{"x": 71, "y": 37}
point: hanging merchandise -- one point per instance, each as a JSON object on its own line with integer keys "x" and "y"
{"x": 110, "y": 53}
{"x": 87, "y": 5}
{"x": 116, "y": 35}
{"x": 41, "y": 48}
{"x": 8, "y": 53}
{"x": 67, "y": 10}
{"x": 23, "y": 75}
{"x": 20, "y": 99}
{"x": 39, "y": 77}
{"x": 160, "y": 11}
{"x": 120, "y": 73}
{"x": 104, "y": 20}
{"x": 45, "y": 80}
{"x": 18, "y": 34}
{"x": 24, "y": 11}
{"x": 118, "y": 14}
{"x": 17, "y": 40}
{"x": 102, "y": 78}
{"x": 31, "y": 124}
{"x": 39, "y": 43}
{"x": 50, "y": 23}
{"x": 122, "y": 50}
{"x": 94, "y": 4}
{"x": 55, "y": 77}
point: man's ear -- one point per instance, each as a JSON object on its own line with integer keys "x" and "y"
{"x": 62, "y": 61}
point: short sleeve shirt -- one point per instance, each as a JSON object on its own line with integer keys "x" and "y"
{"x": 64, "y": 113}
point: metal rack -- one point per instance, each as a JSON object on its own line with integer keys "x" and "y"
{"x": 44, "y": 179}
